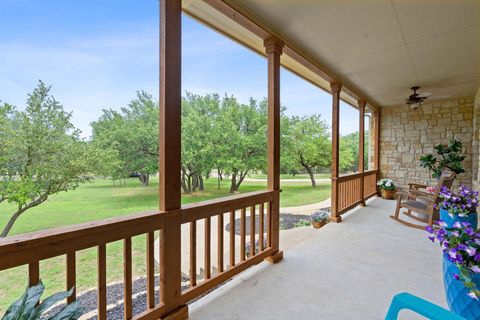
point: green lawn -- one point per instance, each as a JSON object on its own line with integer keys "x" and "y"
{"x": 101, "y": 199}
{"x": 285, "y": 176}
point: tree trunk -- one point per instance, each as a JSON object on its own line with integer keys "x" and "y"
{"x": 233, "y": 183}
{"x": 312, "y": 176}
{"x": 10, "y": 223}
{"x": 200, "y": 183}
{"x": 242, "y": 176}
{"x": 144, "y": 179}
{"x": 194, "y": 182}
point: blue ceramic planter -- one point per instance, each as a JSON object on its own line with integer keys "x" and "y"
{"x": 456, "y": 293}
{"x": 471, "y": 218}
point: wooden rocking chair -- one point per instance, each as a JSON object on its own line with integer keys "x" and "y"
{"x": 421, "y": 202}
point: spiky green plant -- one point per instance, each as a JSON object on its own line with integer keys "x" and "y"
{"x": 28, "y": 307}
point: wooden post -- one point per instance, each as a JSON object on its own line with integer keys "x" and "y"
{"x": 273, "y": 49}
{"x": 336, "y": 88}
{"x": 376, "y": 149}
{"x": 170, "y": 157}
{"x": 361, "y": 148}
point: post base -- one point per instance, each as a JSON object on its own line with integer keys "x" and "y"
{"x": 178, "y": 314}
{"x": 362, "y": 204}
{"x": 336, "y": 219}
{"x": 276, "y": 257}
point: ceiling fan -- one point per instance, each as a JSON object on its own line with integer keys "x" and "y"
{"x": 414, "y": 100}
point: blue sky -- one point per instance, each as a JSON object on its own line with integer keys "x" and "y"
{"x": 97, "y": 54}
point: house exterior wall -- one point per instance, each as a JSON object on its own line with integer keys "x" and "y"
{"x": 476, "y": 141}
{"x": 406, "y": 135}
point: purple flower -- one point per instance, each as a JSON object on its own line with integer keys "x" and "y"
{"x": 475, "y": 269}
{"x": 429, "y": 229}
{"x": 456, "y": 276}
{"x": 432, "y": 238}
{"x": 471, "y": 251}
{"x": 457, "y": 225}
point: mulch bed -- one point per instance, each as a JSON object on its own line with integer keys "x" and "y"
{"x": 287, "y": 221}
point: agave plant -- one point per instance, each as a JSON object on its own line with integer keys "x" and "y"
{"x": 28, "y": 307}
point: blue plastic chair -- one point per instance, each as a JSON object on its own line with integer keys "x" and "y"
{"x": 422, "y": 307}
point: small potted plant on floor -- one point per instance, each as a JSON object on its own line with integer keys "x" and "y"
{"x": 459, "y": 206}
{"x": 387, "y": 188}
{"x": 461, "y": 266}
{"x": 319, "y": 218}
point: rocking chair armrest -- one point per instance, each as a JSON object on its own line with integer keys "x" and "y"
{"x": 412, "y": 185}
{"x": 419, "y": 193}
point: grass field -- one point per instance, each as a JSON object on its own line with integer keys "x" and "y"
{"x": 101, "y": 199}
{"x": 285, "y": 176}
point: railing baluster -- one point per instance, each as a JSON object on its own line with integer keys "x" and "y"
{"x": 33, "y": 273}
{"x": 242, "y": 233}
{"x": 269, "y": 224}
{"x": 232, "y": 238}
{"x": 260, "y": 227}
{"x": 71, "y": 276}
{"x": 220, "y": 242}
{"x": 207, "y": 248}
{"x": 252, "y": 231}
{"x": 150, "y": 269}
{"x": 102, "y": 282}
{"x": 193, "y": 253}
{"x": 127, "y": 278}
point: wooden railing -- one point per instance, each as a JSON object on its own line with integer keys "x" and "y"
{"x": 30, "y": 249}
{"x": 354, "y": 189}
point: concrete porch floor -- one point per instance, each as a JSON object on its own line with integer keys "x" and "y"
{"x": 349, "y": 270}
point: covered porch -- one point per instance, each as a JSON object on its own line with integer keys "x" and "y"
{"x": 366, "y": 55}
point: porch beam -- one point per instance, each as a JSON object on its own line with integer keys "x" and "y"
{"x": 273, "y": 49}
{"x": 336, "y": 88}
{"x": 170, "y": 158}
{"x": 361, "y": 147}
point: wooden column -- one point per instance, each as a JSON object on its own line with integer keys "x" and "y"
{"x": 361, "y": 147}
{"x": 273, "y": 49}
{"x": 170, "y": 157}
{"x": 376, "y": 149}
{"x": 336, "y": 88}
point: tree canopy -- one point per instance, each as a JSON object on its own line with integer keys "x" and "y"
{"x": 41, "y": 153}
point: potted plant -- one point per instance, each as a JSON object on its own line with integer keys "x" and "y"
{"x": 387, "y": 188}
{"x": 447, "y": 157}
{"x": 28, "y": 306}
{"x": 461, "y": 266}
{"x": 459, "y": 207}
{"x": 319, "y": 218}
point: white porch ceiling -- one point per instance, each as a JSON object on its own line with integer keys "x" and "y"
{"x": 383, "y": 47}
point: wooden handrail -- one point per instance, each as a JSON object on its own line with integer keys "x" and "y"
{"x": 210, "y": 208}
{"x": 353, "y": 176}
{"x": 39, "y": 245}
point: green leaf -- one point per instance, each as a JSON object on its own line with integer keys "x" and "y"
{"x": 72, "y": 311}
{"x": 50, "y": 301}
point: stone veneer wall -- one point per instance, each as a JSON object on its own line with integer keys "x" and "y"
{"x": 476, "y": 141}
{"x": 406, "y": 135}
